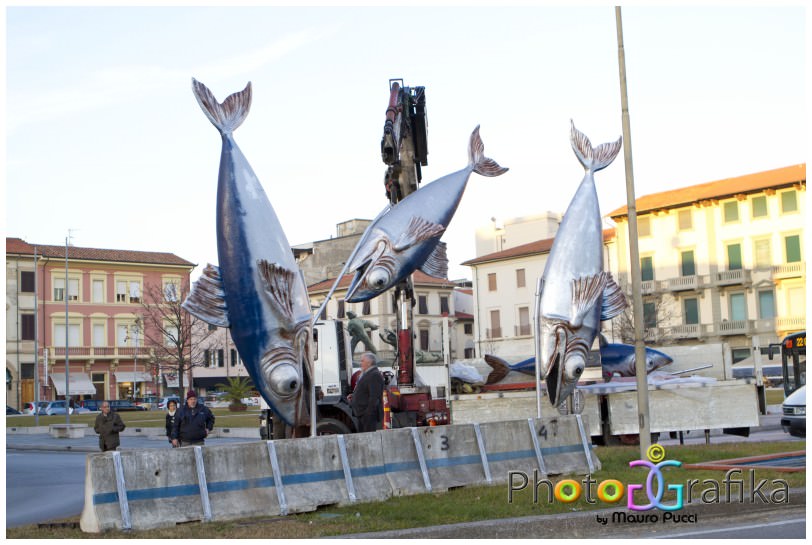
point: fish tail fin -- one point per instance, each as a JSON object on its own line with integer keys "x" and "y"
{"x": 593, "y": 159}
{"x": 226, "y": 116}
{"x": 483, "y": 166}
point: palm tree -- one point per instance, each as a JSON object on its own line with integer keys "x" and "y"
{"x": 236, "y": 389}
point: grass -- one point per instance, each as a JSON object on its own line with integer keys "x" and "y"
{"x": 141, "y": 419}
{"x": 458, "y": 505}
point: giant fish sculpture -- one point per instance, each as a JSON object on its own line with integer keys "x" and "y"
{"x": 576, "y": 293}
{"x": 257, "y": 291}
{"x": 406, "y": 237}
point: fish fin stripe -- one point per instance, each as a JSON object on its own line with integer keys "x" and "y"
{"x": 436, "y": 263}
{"x": 226, "y": 116}
{"x": 482, "y": 165}
{"x": 593, "y": 159}
{"x": 500, "y": 369}
{"x": 207, "y": 298}
{"x": 585, "y": 293}
{"x": 419, "y": 229}
{"x": 277, "y": 282}
{"x": 614, "y": 300}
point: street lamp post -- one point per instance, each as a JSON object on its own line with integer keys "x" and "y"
{"x": 137, "y": 330}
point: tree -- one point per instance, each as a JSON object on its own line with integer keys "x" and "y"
{"x": 236, "y": 389}
{"x": 659, "y": 313}
{"x": 172, "y": 335}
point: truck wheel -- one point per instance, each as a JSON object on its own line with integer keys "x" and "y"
{"x": 331, "y": 426}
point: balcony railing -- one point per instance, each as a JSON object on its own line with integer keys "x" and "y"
{"x": 791, "y": 323}
{"x": 691, "y": 331}
{"x": 648, "y": 287}
{"x": 521, "y": 330}
{"x": 97, "y": 352}
{"x": 493, "y": 333}
{"x": 735, "y": 327}
{"x": 789, "y": 270}
{"x": 732, "y": 278}
{"x": 682, "y": 283}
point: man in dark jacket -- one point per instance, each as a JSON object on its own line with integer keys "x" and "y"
{"x": 366, "y": 400}
{"x": 107, "y": 425}
{"x": 192, "y": 423}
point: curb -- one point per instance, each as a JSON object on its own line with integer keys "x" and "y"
{"x": 583, "y": 524}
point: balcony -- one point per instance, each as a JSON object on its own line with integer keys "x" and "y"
{"x": 97, "y": 352}
{"x": 789, "y": 270}
{"x": 522, "y": 330}
{"x": 732, "y": 278}
{"x": 493, "y": 333}
{"x": 648, "y": 287}
{"x": 689, "y": 331}
{"x": 791, "y": 323}
{"x": 735, "y": 327}
{"x": 683, "y": 283}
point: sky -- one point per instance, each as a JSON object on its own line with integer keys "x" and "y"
{"x": 105, "y": 141}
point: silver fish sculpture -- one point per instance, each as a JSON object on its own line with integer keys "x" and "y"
{"x": 576, "y": 294}
{"x": 620, "y": 359}
{"x": 258, "y": 290}
{"x": 406, "y": 236}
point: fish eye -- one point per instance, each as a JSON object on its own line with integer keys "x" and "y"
{"x": 378, "y": 278}
{"x": 284, "y": 380}
{"x": 573, "y": 368}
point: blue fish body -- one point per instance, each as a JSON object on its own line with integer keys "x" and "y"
{"x": 620, "y": 359}
{"x": 406, "y": 237}
{"x": 257, "y": 291}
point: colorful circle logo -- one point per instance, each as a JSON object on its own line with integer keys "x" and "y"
{"x": 656, "y": 453}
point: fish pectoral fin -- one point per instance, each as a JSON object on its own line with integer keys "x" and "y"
{"x": 585, "y": 293}
{"x": 436, "y": 263}
{"x": 277, "y": 282}
{"x": 602, "y": 342}
{"x": 614, "y": 300}
{"x": 207, "y": 298}
{"x": 419, "y": 229}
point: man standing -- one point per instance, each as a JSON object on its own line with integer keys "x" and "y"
{"x": 192, "y": 423}
{"x": 366, "y": 400}
{"x": 107, "y": 425}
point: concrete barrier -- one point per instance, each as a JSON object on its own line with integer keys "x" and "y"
{"x": 67, "y": 431}
{"x": 149, "y": 488}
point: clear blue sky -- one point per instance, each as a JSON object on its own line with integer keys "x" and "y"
{"x": 105, "y": 137}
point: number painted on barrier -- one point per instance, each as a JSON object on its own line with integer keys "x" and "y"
{"x": 543, "y": 430}
{"x": 444, "y": 442}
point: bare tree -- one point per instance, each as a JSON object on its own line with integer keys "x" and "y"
{"x": 172, "y": 335}
{"x": 655, "y": 323}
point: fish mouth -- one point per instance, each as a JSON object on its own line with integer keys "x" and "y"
{"x": 553, "y": 380}
{"x": 356, "y": 283}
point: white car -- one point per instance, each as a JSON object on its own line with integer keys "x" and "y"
{"x": 793, "y": 419}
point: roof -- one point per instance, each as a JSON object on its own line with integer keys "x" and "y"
{"x": 531, "y": 248}
{"x": 720, "y": 189}
{"x": 419, "y": 278}
{"x": 464, "y": 316}
{"x": 17, "y": 246}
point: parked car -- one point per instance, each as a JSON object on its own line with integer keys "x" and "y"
{"x": 793, "y": 419}
{"x": 11, "y": 410}
{"x": 28, "y": 407}
{"x": 51, "y": 408}
{"x": 125, "y": 405}
{"x": 162, "y": 403}
{"x": 91, "y": 404}
{"x": 148, "y": 402}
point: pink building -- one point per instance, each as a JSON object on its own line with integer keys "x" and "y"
{"x": 107, "y": 328}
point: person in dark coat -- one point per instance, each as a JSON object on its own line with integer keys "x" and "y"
{"x": 367, "y": 404}
{"x": 107, "y": 425}
{"x": 171, "y": 411}
{"x": 192, "y": 423}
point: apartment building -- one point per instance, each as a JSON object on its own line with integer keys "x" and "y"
{"x": 722, "y": 261}
{"x": 85, "y": 311}
{"x": 436, "y": 299}
{"x": 219, "y": 360}
{"x": 504, "y": 287}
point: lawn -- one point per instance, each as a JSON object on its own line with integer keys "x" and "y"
{"x": 141, "y": 419}
{"x": 457, "y": 505}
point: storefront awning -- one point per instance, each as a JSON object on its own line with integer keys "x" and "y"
{"x": 171, "y": 380}
{"x": 80, "y": 384}
{"x": 128, "y": 376}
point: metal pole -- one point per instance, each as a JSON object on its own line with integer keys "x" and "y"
{"x": 634, "y": 253}
{"x": 36, "y": 343}
{"x": 67, "y": 343}
{"x": 137, "y": 329}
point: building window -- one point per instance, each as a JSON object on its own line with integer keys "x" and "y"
{"x": 690, "y": 308}
{"x": 685, "y": 220}
{"x": 646, "y": 268}
{"x": 734, "y": 257}
{"x": 643, "y": 226}
{"x": 789, "y": 202}
{"x": 212, "y": 327}
{"x": 99, "y": 339}
{"x": 424, "y": 339}
{"x": 122, "y": 335}
{"x": 74, "y": 337}
{"x": 738, "y": 307}
{"x": 135, "y": 292}
{"x": 520, "y": 282}
{"x": 444, "y": 305}
{"x": 649, "y": 315}
{"x": 422, "y": 304}
{"x": 207, "y": 362}
{"x": 27, "y": 281}
{"x": 27, "y": 326}
{"x": 233, "y": 357}
{"x": 98, "y": 291}
{"x": 766, "y": 304}
{"x": 687, "y": 266}
{"x": 221, "y": 358}
{"x": 491, "y": 281}
{"x": 59, "y": 289}
{"x": 739, "y": 354}
{"x": 762, "y": 252}
{"x": 171, "y": 292}
{"x": 496, "y": 327}
{"x": 171, "y": 335}
{"x": 73, "y": 289}
{"x": 121, "y": 292}
{"x": 759, "y": 206}
{"x": 468, "y": 329}
{"x": 365, "y": 308}
{"x": 731, "y": 211}
{"x": 524, "y": 321}
{"x": 792, "y": 244}
{"x": 340, "y": 313}
{"x": 470, "y": 353}
{"x": 323, "y": 312}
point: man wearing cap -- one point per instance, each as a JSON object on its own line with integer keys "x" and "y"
{"x": 366, "y": 399}
{"x": 192, "y": 423}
